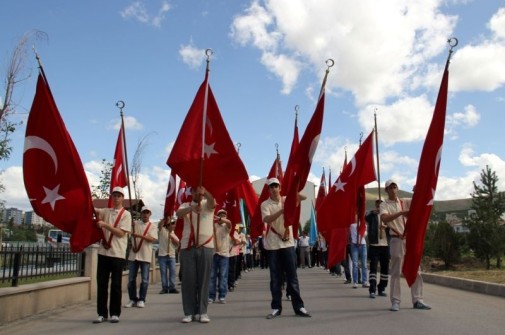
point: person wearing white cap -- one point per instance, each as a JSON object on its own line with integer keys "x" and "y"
{"x": 115, "y": 223}
{"x": 143, "y": 236}
{"x": 169, "y": 243}
{"x": 281, "y": 252}
{"x": 394, "y": 212}
{"x": 218, "y": 287}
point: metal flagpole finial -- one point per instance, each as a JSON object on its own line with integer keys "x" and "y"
{"x": 297, "y": 109}
{"x": 37, "y": 56}
{"x": 360, "y": 137}
{"x": 120, "y": 104}
{"x": 453, "y": 42}
{"x": 277, "y": 148}
{"x": 329, "y": 63}
{"x": 375, "y": 111}
{"x": 208, "y": 54}
{"x": 238, "y": 145}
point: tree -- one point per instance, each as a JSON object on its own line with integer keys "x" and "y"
{"x": 487, "y": 236}
{"x": 101, "y": 191}
{"x": 446, "y": 244}
{"x": 137, "y": 165}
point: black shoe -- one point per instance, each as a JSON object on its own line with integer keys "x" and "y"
{"x": 231, "y": 289}
{"x": 163, "y": 291}
{"x": 275, "y": 313}
{"x": 173, "y": 291}
{"x": 383, "y": 294}
{"x": 347, "y": 282}
{"x": 303, "y": 313}
{"x": 420, "y": 305}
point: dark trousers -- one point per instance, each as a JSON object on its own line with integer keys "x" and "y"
{"x": 378, "y": 255}
{"x": 232, "y": 270}
{"x": 109, "y": 267}
{"x": 284, "y": 261}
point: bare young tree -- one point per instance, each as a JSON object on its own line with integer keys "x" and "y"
{"x": 136, "y": 166}
{"x": 16, "y": 72}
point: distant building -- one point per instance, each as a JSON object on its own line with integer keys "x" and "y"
{"x": 13, "y": 213}
{"x": 31, "y": 218}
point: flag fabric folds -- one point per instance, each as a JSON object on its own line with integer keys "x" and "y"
{"x": 53, "y": 173}
{"x": 203, "y": 153}
{"x": 321, "y": 193}
{"x": 170, "y": 196}
{"x": 299, "y": 166}
{"x": 119, "y": 173}
{"x": 256, "y": 219}
{"x": 344, "y": 192}
{"x": 426, "y": 185}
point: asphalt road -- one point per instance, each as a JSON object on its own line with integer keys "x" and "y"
{"x": 336, "y": 308}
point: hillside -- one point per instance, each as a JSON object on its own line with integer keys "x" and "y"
{"x": 441, "y": 206}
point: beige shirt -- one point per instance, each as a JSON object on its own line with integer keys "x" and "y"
{"x": 118, "y": 244}
{"x": 222, "y": 239}
{"x": 145, "y": 252}
{"x": 394, "y": 206}
{"x": 206, "y": 226}
{"x": 167, "y": 245}
{"x": 272, "y": 240}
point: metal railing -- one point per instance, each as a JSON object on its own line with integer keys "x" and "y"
{"x": 26, "y": 263}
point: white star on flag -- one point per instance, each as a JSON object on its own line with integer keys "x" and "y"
{"x": 339, "y": 185}
{"x": 52, "y": 196}
{"x": 208, "y": 149}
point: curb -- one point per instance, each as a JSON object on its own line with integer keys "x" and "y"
{"x": 465, "y": 284}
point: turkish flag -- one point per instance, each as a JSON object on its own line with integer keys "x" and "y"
{"x": 337, "y": 243}
{"x": 299, "y": 167}
{"x": 53, "y": 173}
{"x": 246, "y": 192}
{"x": 321, "y": 193}
{"x": 361, "y": 204}
{"x": 230, "y": 202}
{"x": 257, "y": 225}
{"x": 203, "y": 153}
{"x": 286, "y": 178}
{"x": 183, "y": 195}
{"x": 426, "y": 185}
{"x": 170, "y": 197}
{"x": 344, "y": 192}
{"x": 119, "y": 174}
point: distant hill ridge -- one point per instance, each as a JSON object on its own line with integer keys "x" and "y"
{"x": 456, "y": 205}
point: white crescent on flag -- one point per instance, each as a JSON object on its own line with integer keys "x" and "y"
{"x": 171, "y": 186}
{"x": 35, "y": 142}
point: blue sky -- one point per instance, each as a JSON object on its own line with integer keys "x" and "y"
{"x": 269, "y": 56}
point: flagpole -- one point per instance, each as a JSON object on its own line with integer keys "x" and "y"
{"x": 120, "y": 104}
{"x": 329, "y": 63}
{"x": 377, "y": 151}
{"x": 208, "y": 53}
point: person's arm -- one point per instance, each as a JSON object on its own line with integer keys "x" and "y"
{"x": 114, "y": 231}
{"x": 386, "y": 218}
{"x": 268, "y": 219}
{"x": 224, "y": 221}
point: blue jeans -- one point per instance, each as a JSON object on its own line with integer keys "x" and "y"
{"x": 219, "y": 274}
{"x": 359, "y": 251}
{"x": 134, "y": 266}
{"x": 166, "y": 262}
{"x": 284, "y": 261}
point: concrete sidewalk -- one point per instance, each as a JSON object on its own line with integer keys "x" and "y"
{"x": 335, "y": 307}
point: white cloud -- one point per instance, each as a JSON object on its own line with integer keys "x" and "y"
{"x": 130, "y": 122}
{"x": 15, "y": 193}
{"x": 284, "y": 67}
{"x": 138, "y": 11}
{"x": 191, "y": 55}
{"x": 497, "y": 24}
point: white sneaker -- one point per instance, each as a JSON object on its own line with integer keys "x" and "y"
{"x": 130, "y": 304}
{"x": 99, "y": 319}
{"x": 187, "y": 319}
{"x": 222, "y": 301}
{"x": 354, "y": 285}
{"x": 204, "y": 318}
{"x": 395, "y": 307}
{"x": 114, "y": 319}
{"x": 141, "y": 304}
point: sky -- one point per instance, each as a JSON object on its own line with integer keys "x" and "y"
{"x": 267, "y": 58}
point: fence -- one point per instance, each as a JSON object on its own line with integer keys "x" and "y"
{"x": 25, "y": 263}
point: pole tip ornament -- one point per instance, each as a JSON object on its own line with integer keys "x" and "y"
{"x": 120, "y": 104}
{"x": 330, "y": 62}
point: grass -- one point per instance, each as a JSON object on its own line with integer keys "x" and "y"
{"x": 467, "y": 269}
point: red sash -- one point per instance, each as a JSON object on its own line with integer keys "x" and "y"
{"x": 135, "y": 250}
{"x": 107, "y": 244}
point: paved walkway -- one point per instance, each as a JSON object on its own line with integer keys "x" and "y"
{"x": 336, "y": 309}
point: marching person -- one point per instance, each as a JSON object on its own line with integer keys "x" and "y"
{"x": 169, "y": 242}
{"x": 141, "y": 254}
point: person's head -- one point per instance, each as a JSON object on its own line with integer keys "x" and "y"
{"x": 197, "y": 193}
{"x": 145, "y": 214}
{"x": 222, "y": 213}
{"x": 274, "y": 186}
{"x": 117, "y": 196}
{"x": 391, "y": 188}
{"x": 304, "y": 233}
{"x": 378, "y": 203}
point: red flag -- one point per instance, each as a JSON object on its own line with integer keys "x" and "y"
{"x": 426, "y": 184}
{"x": 321, "y": 193}
{"x": 256, "y": 219}
{"x": 168, "y": 210}
{"x": 54, "y": 177}
{"x": 246, "y": 191}
{"x": 204, "y": 139}
{"x": 343, "y": 194}
{"x": 329, "y": 179}
{"x": 299, "y": 167}
{"x": 119, "y": 174}
{"x": 361, "y": 209}
{"x": 230, "y": 202}
{"x": 337, "y": 243}
{"x": 286, "y": 178}
{"x": 183, "y": 195}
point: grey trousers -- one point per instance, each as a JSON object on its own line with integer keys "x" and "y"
{"x": 397, "y": 249}
{"x": 196, "y": 265}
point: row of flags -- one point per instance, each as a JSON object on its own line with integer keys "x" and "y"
{"x": 204, "y": 155}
